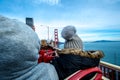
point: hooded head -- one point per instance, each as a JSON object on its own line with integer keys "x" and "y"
{"x": 19, "y": 46}
{"x": 72, "y": 40}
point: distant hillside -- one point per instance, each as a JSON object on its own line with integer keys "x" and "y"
{"x": 94, "y": 41}
{"x": 105, "y": 41}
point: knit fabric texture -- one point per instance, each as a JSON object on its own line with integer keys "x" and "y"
{"x": 19, "y": 47}
{"x": 72, "y": 40}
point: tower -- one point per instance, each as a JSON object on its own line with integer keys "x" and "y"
{"x": 56, "y": 38}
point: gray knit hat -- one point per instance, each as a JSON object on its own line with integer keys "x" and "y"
{"x": 72, "y": 40}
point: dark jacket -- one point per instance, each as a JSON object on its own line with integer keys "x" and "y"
{"x": 68, "y": 63}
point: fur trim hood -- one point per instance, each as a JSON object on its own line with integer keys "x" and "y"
{"x": 90, "y": 54}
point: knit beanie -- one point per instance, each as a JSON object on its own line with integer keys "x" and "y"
{"x": 19, "y": 48}
{"x": 72, "y": 40}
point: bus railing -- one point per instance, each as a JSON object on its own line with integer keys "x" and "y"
{"x": 110, "y": 71}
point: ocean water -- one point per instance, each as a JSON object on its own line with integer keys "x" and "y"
{"x": 111, "y": 50}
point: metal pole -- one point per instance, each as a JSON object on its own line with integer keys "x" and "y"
{"x": 48, "y": 33}
{"x": 48, "y": 30}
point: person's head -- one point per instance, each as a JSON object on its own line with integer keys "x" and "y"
{"x": 19, "y": 46}
{"x": 72, "y": 40}
{"x": 43, "y": 43}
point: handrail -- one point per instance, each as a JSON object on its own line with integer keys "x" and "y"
{"x": 110, "y": 71}
{"x": 109, "y": 65}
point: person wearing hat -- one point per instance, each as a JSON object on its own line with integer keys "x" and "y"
{"x": 72, "y": 40}
{"x": 19, "y": 52}
{"x": 72, "y": 58}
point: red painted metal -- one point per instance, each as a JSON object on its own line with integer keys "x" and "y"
{"x": 82, "y": 73}
{"x": 56, "y": 37}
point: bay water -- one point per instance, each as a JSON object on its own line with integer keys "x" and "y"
{"x": 111, "y": 50}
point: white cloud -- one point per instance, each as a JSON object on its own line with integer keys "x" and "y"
{"x": 99, "y": 17}
{"x": 50, "y": 2}
{"x": 89, "y": 36}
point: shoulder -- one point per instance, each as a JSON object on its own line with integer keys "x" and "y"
{"x": 90, "y": 54}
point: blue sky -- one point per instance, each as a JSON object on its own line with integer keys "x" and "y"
{"x": 93, "y": 19}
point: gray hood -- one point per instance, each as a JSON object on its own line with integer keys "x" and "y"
{"x": 19, "y": 47}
